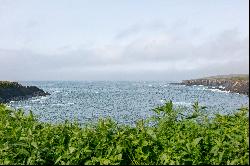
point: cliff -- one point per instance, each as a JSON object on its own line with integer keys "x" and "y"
{"x": 238, "y": 84}
{"x": 15, "y": 91}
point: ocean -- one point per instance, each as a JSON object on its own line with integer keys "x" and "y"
{"x": 123, "y": 101}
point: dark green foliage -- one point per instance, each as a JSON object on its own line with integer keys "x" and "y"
{"x": 174, "y": 139}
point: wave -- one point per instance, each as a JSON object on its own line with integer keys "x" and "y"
{"x": 58, "y": 104}
{"x": 35, "y": 100}
{"x": 182, "y": 103}
{"x": 218, "y": 90}
{"x": 44, "y": 97}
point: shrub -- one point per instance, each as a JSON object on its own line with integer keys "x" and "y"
{"x": 173, "y": 139}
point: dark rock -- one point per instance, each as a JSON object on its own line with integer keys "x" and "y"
{"x": 233, "y": 85}
{"x": 15, "y": 91}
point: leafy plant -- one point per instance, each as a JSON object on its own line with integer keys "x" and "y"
{"x": 172, "y": 140}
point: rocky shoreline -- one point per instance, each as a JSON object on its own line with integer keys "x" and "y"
{"x": 240, "y": 86}
{"x": 12, "y": 91}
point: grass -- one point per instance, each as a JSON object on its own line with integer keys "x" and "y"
{"x": 232, "y": 77}
{"x": 174, "y": 139}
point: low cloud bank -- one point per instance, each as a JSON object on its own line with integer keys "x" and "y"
{"x": 159, "y": 56}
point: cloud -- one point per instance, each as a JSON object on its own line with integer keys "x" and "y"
{"x": 137, "y": 28}
{"x": 162, "y": 55}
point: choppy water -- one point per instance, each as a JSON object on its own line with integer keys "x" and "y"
{"x": 124, "y": 101}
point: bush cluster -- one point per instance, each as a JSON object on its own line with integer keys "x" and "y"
{"x": 7, "y": 84}
{"x": 173, "y": 139}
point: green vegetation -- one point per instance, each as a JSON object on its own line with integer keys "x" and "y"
{"x": 8, "y": 84}
{"x": 174, "y": 139}
{"x": 233, "y": 77}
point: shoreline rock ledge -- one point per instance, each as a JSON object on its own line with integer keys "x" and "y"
{"x": 10, "y": 91}
{"x": 238, "y": 84}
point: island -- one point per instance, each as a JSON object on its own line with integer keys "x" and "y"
{"x": 12, "y": 91}
{"x": 237, "y": 83}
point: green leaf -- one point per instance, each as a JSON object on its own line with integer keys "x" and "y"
{"x": 23, "y": 138}
{"x": 119, "y": 157}
{"x": 24, "y": 152}
{"x": 29, "y": 161}
{"x": 188, "y": 147}
{"x": 151, "y": 133}
{"x": 234, "y": 162}
{"x": 29, "y": 132}
{"x": 214, "y": 150}
{"x": 196, "y": 141}
{"x": 144, "y": 143}
{"x": 135, "y": 142}
{"x": 34, "y": 144}
{"x": 58, "y": 159}
{"x": 105, "y": 162}
{"x": 71, "y": 149}
{"x": 6, "y": 161}
{"x": 221, "y": 156}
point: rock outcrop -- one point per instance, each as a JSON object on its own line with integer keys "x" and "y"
{"x": 238, "y": 86}
{"x": 15, "y": 91}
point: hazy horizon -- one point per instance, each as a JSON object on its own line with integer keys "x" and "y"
{"x": 132, "y": 80}
{"x": 80, "y": 40}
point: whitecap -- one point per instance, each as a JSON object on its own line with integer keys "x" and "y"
{"x": 183, "y": 103}
{"x": 58, "y": 104}
{"x": 44, "y": 97}
{"x": 202, "y": 88}
{"x": 222, "y": 87}
{"x": 218, "y": 90}
{"x": 35, "y": 100}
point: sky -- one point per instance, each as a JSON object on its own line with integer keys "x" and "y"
{"x": 168, "y": 40}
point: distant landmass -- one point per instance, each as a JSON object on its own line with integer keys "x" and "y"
{"x": 230, "y": 77}
{"x": 238, "y": 83}
{"x": 14, "y": 91}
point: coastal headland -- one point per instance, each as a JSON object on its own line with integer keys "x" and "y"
{"x": 234, "y": 83}
{"x": 14, "y": 91}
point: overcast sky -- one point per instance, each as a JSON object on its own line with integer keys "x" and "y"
{"x": 122, "y": 39}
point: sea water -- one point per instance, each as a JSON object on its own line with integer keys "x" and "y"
{"x": 123, "y": 101}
